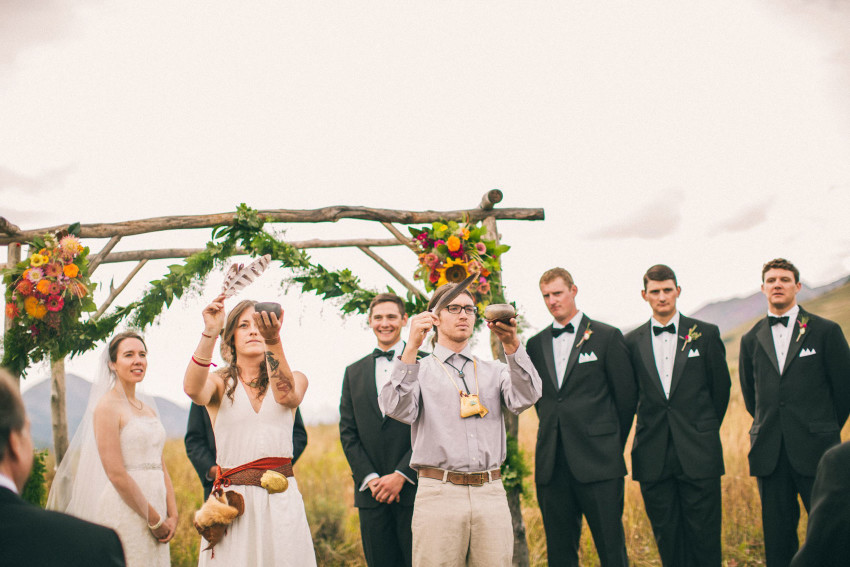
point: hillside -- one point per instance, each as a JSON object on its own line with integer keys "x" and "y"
{"x": 37, "y": 402}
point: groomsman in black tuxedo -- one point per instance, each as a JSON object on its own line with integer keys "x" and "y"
{"x": 828, "y": 535}
{"x": 378, "y": 447}
{"x": 586, "y": 412}
{"x": 795, "y": 379}
{"x": 200, "y": 443}
{"x": 680, "y": 364}
{"x": 28, "y": 534}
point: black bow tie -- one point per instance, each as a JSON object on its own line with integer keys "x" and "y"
{"x": 778, "y": 320}
{"x": 378, "y": 353}
{"x": 671, "y": 328}
{"x": 558, "y": 332}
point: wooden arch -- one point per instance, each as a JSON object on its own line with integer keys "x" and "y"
{"x": 13, "y": 237}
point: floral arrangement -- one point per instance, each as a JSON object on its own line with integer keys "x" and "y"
{"x": 450, "y": 251}
{"x": 46, "y": 293}
{"x": 691, "y": 336}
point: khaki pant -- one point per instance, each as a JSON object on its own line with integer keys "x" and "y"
{"x": 461, "y": 526}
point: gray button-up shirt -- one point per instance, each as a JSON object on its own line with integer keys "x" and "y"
{"x": 423, "y": 396}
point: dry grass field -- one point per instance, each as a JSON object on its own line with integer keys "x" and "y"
{"x": 325, "y": 482}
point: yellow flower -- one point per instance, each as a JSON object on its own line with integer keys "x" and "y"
{"x": 453, "y": 271}
{"x": 453, "y": 243}
{"x": 37, "y": 260}
{"x": 442, "y": 227}
{"x": 465, "y": 233}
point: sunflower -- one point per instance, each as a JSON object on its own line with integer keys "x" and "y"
{"x": 453, "y": 271}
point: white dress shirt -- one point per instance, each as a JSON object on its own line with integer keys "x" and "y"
{"x": 6, "y": 482}
{"x": 782, "y": 334}
{"x": 563, "y": 345}
{"x": 664, "y": 349}
{"x": 384, "y": 367}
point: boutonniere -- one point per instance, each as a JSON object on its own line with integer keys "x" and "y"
{"x": 804, "y": 322}
{"x": 691, "y": 336}
{"x": 586, "y": 336}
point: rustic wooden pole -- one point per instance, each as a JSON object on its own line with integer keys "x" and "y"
{"x": 57, "y": 408}
{"x": 385, "y": 265}
{"x": 327, "y": 214}
{"x": 399, "y": 236}
{"x": 103, "y": 254}
{"x": 13, "y": 256}
{"x": 521, "y": 558}
{"x": 113, "y": 292}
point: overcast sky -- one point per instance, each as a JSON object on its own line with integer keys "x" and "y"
{"x": 708, "y": 136}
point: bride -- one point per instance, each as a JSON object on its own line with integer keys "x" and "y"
{"x": 113, "y": 473}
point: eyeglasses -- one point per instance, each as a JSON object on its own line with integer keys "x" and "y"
{"x": 454, "y": 309}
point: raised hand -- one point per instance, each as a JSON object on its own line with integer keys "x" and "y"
{"x": 268, "y": 325}
{"x": 506, "y": 333}
{"x": 420, "y": 325}
{"x": 214, "y": 316}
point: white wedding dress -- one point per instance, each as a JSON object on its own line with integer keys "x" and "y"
{"x": 142, "y": 440}
{"x": 273, "y": 530}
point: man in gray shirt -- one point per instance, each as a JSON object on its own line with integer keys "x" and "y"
{"x": 453, "y": 402}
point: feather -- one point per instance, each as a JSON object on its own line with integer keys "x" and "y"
{"x": 239, "y": 277}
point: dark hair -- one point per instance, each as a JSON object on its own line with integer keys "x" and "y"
{"x": 555, "y": 273}
{"x": 228, "y": 352}
{"x": 118, "y": 339}
{"x": 780, "y": 264}
{"x": 435, "y": 299}
{"x": 12, "y": 412}
{"x": 387, "y": 298}
{"x": 659, "y": 273}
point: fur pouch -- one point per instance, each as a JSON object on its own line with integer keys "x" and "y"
{"x": 216, "y": 514}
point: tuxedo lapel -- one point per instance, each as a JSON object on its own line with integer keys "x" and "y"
{"x": 368, "y": 387}
{"x": 796, "y": 345}
{"x": 549, "y": 354}
{"x": 681, "y": 356}
{"x": 574, "y": 352}
{"x": 647, "y": 356}
{"x": 765, "y": 338}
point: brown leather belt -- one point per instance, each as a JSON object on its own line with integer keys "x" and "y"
{"x": 251, "y": 477}
{"x": 461, "y": 478}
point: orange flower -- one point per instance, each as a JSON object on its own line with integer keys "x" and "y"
{"x": 465, "y": 233}
{"x": 453, "y": 243}
{"x": 71, "y": 270}
{"x": 43, "y": 286}
{"x": 34, "y": 308}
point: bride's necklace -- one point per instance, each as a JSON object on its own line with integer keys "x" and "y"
{"x": 139, "y": 407}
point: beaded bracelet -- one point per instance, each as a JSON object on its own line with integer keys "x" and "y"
{"x": 157, "y": 525}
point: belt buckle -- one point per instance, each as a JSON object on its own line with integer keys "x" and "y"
{"x": 480, "y": 479}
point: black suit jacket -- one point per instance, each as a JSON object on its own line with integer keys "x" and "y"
{"x": 699, "y": 395}
{"x": 828, "y": 535}
{"x": 371, "y": 442}
{"x": 594, "y": 408}
{"x": 200, "y": 442}
{"x": 32, "y": 536}
{"x": 806, "y": 405}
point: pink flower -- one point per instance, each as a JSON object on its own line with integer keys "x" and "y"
{"x": 439, "y": 242}
{"x": 55, "y": 303}
{"x": 431, "y": 260}
{"x": 480, "y": 247}
{"x": 484, "y": 287}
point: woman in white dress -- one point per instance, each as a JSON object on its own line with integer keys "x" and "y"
{"x": 253, "y": 433}
{"x": 113, "y": 473}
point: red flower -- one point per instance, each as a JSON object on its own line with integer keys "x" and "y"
{"x": 12, "y": 311}
{"x": 25, "y": 287}
{"x": 53, "y": 270}
{"x": 434, "y": 277}
{"x": 55, "y": 288}
{"x": 55, "y": 303}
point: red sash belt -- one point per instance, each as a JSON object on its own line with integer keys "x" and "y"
{"x": 250, "y": 473}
